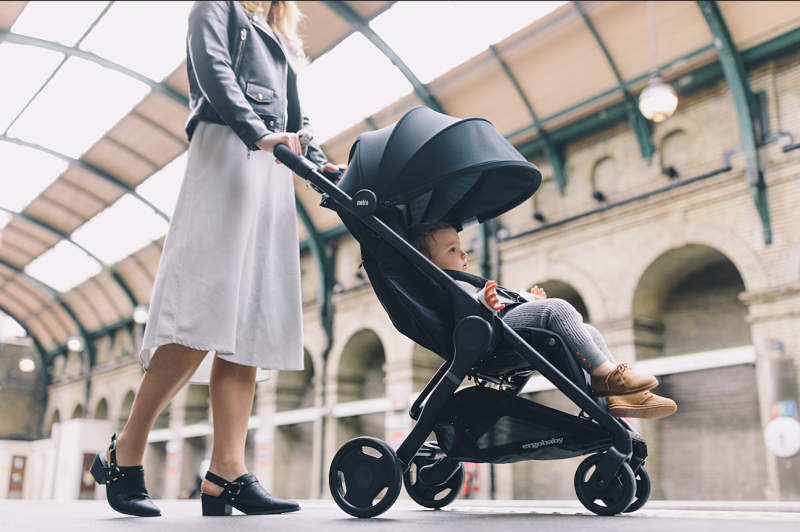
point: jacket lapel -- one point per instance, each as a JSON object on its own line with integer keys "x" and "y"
{"x": 259, "y": 22}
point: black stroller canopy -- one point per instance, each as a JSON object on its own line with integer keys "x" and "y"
{"x": 442, "y": 168}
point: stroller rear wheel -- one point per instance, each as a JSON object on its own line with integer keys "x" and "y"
{"x": 365, "y": 477}
{"x": 642, "y": 490}
{"x": 427, "y": 495}
{"x": 611, "y": 500}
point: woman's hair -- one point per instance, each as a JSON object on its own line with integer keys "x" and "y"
{"x": 420, "y": 235}
{"x": 283, "y": 17}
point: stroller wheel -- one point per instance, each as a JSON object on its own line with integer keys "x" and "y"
{"x": 432, "y": 496}
{"x": 365, "y": 477}
{"x": 612, "y": 500}
{"x": 642, "y": 490}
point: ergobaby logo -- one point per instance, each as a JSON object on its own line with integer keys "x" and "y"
{"x": 362, "y": 202}
{"x": 542, "y": 443}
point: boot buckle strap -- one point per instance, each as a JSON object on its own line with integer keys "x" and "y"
{"x": 231, "y": 486}
{"x": 112, "y": 473}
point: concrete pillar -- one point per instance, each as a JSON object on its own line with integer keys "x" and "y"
{"x": 177, "y": 419}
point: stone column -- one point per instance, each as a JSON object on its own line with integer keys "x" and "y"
{"x": 177, "y": 419}
{"x": 774, "y": 317}
{"x": 318, "y": 488}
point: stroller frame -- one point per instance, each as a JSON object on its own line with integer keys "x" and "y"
{"x": 477, "y": 333}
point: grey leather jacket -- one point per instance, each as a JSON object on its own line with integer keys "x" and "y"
{"x": 243, "y": 75}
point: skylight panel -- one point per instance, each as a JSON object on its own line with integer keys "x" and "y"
{"x": 23, "y": 70}
{"x": 348, "y": 84}
{"x": 89, "y": 100}
{"x": 147, "y": 37}
{"x": 24, "y": 174}
{"x": 162, "y": 188}
{"x": 446, "y": 34}
{"x": 63, "y": 267}
{"x": 62, "y": 22}
{"x": 126, "y": 226}
{"x": 11, "y": 329}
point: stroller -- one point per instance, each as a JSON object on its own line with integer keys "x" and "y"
{"x": 462, "y": 172}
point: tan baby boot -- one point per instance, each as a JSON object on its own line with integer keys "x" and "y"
{"x": 645, "y": 405}
{"x": 622, "y": 381}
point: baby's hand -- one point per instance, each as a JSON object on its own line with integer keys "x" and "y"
{"x": 490, "y": 295}
{"x": 538, "y": 293}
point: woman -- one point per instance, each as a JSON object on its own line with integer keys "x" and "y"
{"x": 228, "y": 284}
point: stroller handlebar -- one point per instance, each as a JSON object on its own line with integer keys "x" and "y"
{"x": 296, "y": 163}
{"x": 308, "y": 171}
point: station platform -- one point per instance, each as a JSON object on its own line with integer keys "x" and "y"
{"x": 406, "y": 516}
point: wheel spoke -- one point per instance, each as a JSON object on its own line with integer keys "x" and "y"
{"x": 361, "y": 498}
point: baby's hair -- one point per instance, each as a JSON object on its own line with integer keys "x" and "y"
{"x": 420, "y": 235}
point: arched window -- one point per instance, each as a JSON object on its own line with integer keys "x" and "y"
{"x": 605, "y": 179}
{"x": 675, "y": 154}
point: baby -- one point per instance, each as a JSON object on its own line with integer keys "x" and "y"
{"x": 628, "y": 392}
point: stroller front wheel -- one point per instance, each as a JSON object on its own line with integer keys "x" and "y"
{"x": 642, "y": 490}
{"x": 365, "y": 477}
{"x": 437, "y": 496}
{"x": 611, "y": 500}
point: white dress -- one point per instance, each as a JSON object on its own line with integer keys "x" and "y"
{"x": 229, "y": 277}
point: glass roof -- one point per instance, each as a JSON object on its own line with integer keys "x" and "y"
{"x": 457, "y": 31}
{"x": 24, "y": 174}
{"x": 126, "y": 226}
{"x": 63, "y": 267}
{"x": 97, "y": 99}
{"x": 355, "y": 66}
{"x": 149, "y": 39}
{"x": 66, "y": 104}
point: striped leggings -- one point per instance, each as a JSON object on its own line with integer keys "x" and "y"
{"x": 583, "y": 340}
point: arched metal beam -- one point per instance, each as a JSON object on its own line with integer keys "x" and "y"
{"x": 162, "y": 88}
{"x": 31, "y": 315}
{"x": 358, "y": 23}
{"x": 736, "y": 75}
{"x": 61, "y": 64}
{"x": 36, "y": 343}
{"x": 639, "y": 124}
{"x": 35, "y": 314}
{"x": 87, "y": 338}
{"x": 55, "y": 296}
{"x": 552, "y": 153}
{"x": 80, "y": 163}
{"x": 64, "y": 236}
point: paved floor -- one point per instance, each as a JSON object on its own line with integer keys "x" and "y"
{"x": 405, "y": 516}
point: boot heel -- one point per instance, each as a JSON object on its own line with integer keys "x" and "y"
{"x": 214, "y": 506}
{"x": 97, "y": 470}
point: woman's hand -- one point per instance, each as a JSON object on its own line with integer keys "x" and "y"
{"x": 268, "y": 142}
{"x": 490, "y": 295}
{"x": 334, "y": 169}
{"x": 538, "y": 293}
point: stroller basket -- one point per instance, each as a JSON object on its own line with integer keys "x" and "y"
{"x": 486, "y": 425}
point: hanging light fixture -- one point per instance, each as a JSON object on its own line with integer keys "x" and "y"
{"x": 26, "y": 364}
{"x": 140, "y": 314}
{"x": 658, "y": 99}
{"x": 75, "y": 343}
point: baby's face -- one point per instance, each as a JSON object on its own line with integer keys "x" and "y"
{"x": 445, "y": 248}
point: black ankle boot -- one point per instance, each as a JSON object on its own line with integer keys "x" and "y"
{"x": 246, "y": 495}
{"x": 125, "y": 489}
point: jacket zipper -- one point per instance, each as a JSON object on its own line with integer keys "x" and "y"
{"x": 238, "y": 63}
{"x": 239, "y": 53}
